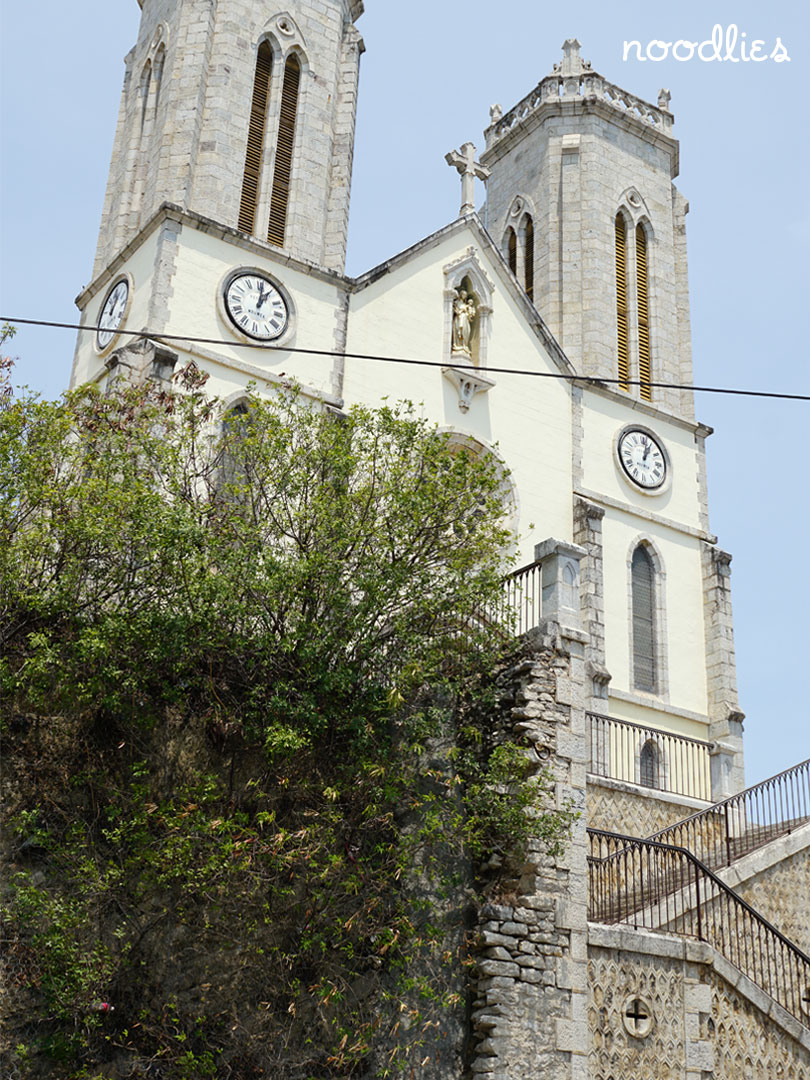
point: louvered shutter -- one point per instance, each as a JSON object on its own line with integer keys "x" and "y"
{"x": 621, "y": 305}
{"x": 284, "y": 152}
{"x": 255, "y": 146}
{"x": 529, "y": 269}
{"x": 644, "y": 359}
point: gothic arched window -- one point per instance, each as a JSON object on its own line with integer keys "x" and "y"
{"x": 255, "y": 143}
{"x": 650, "y": 765}
{"x": 146, "y": 87}
{"x": 622, "y": 313}
{"x": 280, "y": 197}
{"x": 511, "y": 249}
{"x": 160, "y": 63}
{"x": 643, "y": 307}
{"x": 644, "y": 644}
{"x": 528, "y": 268}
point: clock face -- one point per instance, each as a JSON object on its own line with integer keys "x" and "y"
{"x": 256, "y": 307}
{"x": 642, "y": 459}
{"x": 112, "y": 313}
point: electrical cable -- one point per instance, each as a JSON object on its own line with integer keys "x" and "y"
{"x": 592, "y": 379}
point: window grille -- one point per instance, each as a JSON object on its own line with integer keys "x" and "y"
{"x": 255, "y": 145}
{"x": 284, "y": 152}
{"x": 643, "y": 591}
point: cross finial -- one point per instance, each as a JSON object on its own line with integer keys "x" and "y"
{"x": 464, "y": 161}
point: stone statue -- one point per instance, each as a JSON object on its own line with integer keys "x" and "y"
{"x": 464, "y": 311}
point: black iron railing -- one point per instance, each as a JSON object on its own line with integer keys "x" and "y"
{"x": 730, "y": 829}
{"x": 644, "y": 883}
{"x": 649, "y": 757}
{"x": 522, "y": 597}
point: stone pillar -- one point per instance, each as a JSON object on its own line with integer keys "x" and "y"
{"x": 560, "y": 581}
{"x": 530, "y": 1012}
{"x": 725, "y": 717}
{"x": 588, "y": 534}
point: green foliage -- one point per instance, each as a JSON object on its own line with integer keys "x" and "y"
{"x": 231, "y": 658}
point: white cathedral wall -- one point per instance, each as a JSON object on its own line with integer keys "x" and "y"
{"x": 203, "y": 261}
{"x": 526, "y": 421}
{"x": 139, "y": 265}
{"x": 683, "y": 699}
{"x": 603, "y": 419}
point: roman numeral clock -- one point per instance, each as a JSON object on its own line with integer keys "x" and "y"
{"x": 643, "y": 459}
{"x": 255, "y": 306}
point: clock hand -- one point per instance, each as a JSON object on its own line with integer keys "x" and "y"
{"x": 262, "y": 297}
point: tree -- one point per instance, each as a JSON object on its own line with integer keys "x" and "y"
{"x": 229, "y": 647}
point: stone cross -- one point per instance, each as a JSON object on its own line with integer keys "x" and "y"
{"x": 464, "y": 161}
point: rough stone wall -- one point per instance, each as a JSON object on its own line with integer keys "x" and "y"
{"x": 615, "y": 808}
{"x": 529, "y": 1012}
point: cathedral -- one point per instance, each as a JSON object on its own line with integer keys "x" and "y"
{"x": 552, "y": 330}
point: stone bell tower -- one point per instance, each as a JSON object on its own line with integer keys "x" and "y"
{"x": 243, "y": 112}
{"x": 582, "y": 202}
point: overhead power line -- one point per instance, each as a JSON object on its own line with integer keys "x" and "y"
{"x": 337, "y": 353}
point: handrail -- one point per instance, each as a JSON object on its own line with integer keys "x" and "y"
{"x": 727, "y": 830}
{"x": 664, "y": 887}
{"x": 680, "y": 764}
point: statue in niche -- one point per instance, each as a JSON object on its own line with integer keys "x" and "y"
{"x": 464, "y": 311}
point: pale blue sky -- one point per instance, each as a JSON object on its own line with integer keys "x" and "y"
{"x": 431, "y": 72}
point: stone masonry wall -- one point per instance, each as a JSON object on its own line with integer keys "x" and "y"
{"x": 781, "y": 894}
{"x": 529, "y": 1012}
{"x": 667, "y": 1008}
{"x": 614, "y": 807}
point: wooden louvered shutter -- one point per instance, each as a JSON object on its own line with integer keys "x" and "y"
{"x": 284, "y": 152}
{"x": 529, "y": 268}
{"x": 621, "y": 305}
{"x": 512, "y": 250}
{"x": 643, "y": 591}
{"x": 644, "y": 361}
{"x": 255, "y": 146}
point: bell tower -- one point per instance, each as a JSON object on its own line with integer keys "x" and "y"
{"x": 582, "y": 203}
{"x": 243, "y": 112}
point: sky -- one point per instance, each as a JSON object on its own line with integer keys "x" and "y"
{"x": 431, "y": 71}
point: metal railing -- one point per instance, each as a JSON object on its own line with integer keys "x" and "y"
{"x": 732, "y": 828}
{"x": 649, "y": 757}
{"x": 522, "y": 597}
{"x": 644, "y": 883}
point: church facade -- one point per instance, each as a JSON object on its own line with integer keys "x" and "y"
{"x": 553, "y": 332}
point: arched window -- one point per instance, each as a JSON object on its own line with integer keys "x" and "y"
{"x": 146, "y": 88}
{"x": 160, "y": 63}
{"x": 643, "y": 301}
{"x": 644, "y": 644}
{"x": 622, "y": 315}
{"x": 528, "y": 268}
{"x": 511, "y": 249}
{"x": 650, "y": 765}
{"x": 255, "y": 144}
{"x": 284, "y": 151}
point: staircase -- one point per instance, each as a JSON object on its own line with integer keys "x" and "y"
{"x": 668, "y": 883}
